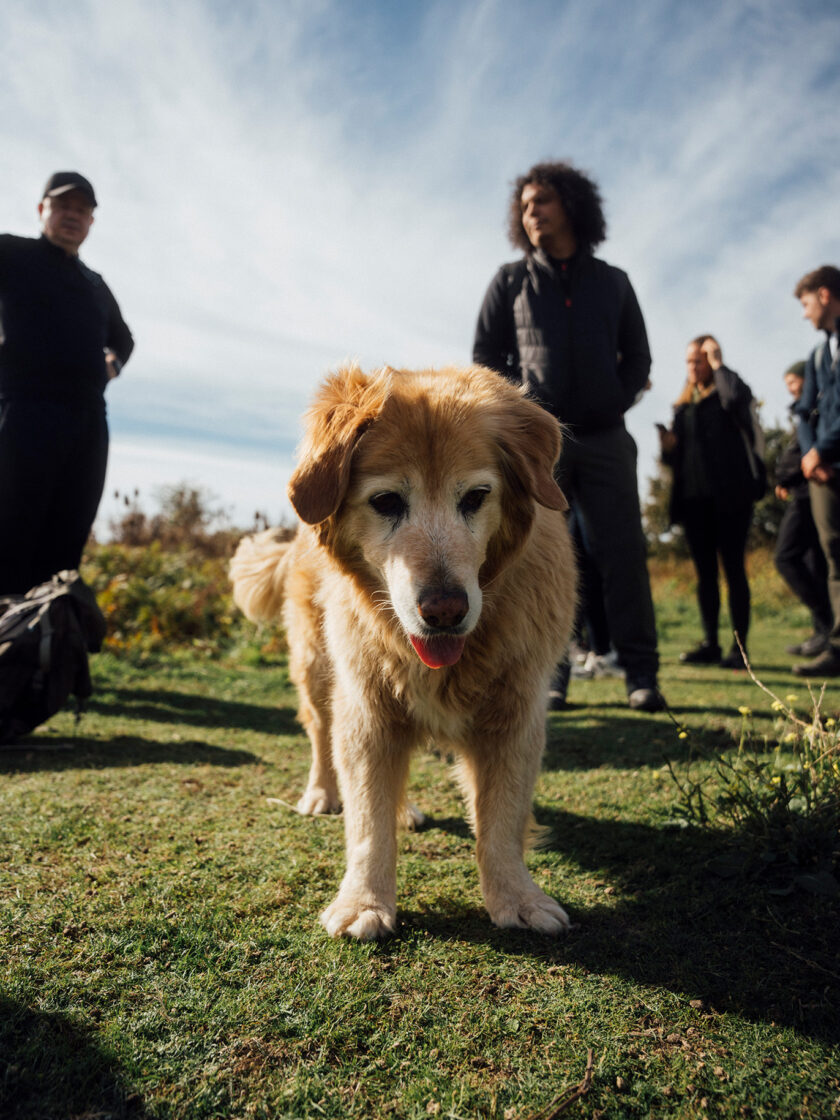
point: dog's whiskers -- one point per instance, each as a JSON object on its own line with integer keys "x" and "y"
{"x": 382, "y": 603}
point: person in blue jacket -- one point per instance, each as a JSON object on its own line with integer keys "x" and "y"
{"x": 62, "y": 338}
{"x": 819, "y": 440}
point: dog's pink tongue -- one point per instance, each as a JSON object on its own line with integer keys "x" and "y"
{"x": 437, "y": 652}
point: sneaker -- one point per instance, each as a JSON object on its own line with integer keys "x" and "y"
{"x": 604, "y": 664}
{"x": 817, "y": 643}
{"x": 826, "y": 665}
{"x": 582, "y": 670}
{"x": 733, "y": 660}
{"x": 646, "y": 700}
{"x": 704, "y": 654}
{"x": 643, "y": 695}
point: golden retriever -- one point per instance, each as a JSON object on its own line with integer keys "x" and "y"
{"x": 427, "y": 595}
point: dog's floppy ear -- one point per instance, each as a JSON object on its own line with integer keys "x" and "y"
{"x": 532, "y": 446}
{"x": 346, "y": 405}
{"x": 529, "y": 441}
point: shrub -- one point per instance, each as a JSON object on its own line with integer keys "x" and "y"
{"x": 780, "y": 802}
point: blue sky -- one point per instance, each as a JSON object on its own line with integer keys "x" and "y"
{"x": 284, "y": 185}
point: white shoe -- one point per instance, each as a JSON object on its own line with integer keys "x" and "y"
{"x": 603, "y": 665}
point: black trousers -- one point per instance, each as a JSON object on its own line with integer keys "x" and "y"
{"x": 53, "y": 456}
{"x": 591, "y": 624}
{"x": 710, "y": 533}
{"x": 801, "y": 563}
{"x": 597, "y": 471}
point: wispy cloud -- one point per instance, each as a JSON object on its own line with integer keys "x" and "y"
{"x": 286, "y": 185}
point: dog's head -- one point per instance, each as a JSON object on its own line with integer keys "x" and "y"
{"x": 424, "y": 486}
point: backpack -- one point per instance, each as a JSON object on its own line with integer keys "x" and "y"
{"x": 45, "y": 638}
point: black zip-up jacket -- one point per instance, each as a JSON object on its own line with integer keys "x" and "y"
{"x": 57, "y": 317}
{"x": 722, "y": 427}
{"x": 571, "y": 331}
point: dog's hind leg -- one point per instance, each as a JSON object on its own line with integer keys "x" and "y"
{"x": 498, "y": 776}
{"x": 310, "y": 672}
{"x": 321, "y": 794}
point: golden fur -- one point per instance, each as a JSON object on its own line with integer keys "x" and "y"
{"x": 431, "y": 535}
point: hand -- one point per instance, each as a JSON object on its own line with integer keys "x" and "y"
{"x": 667, "y": 440}
{"x": 782, "y": 494}
{"x": 811, "y": 461}
{"x": 711, "y": 348}
{"x": 111, "y": 365}
{"x": 823, "y": 473}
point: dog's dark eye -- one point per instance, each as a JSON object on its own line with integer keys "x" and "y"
{"x": 388, "y": 504}
{"x": 473, "y": 500}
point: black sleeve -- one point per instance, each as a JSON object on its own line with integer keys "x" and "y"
{"x": 633, "y": 350}
{"x": 120, "y": 339}
{"x": 495, "y": 338}
{"x": 7, "y": 247}
{"x": 735, "y": 396}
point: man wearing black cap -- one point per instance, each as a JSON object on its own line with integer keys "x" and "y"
{"x": 62, "y": 338}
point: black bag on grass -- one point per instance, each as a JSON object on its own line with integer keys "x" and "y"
{"x": 45, "y": 638}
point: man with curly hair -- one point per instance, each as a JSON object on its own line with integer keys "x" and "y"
{"x": 568, "y": 326}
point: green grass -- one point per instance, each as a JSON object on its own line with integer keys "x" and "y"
{"x": 162, "y": 958}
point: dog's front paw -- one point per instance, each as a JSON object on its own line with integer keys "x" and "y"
{"x": 534, "y": 910}
{"x": 353, "y": 917}
{"x": 317, "y": 800}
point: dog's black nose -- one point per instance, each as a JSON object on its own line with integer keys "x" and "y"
{"x": 443, "y": 607}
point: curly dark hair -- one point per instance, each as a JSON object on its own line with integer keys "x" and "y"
{"x": 580, "y": 199}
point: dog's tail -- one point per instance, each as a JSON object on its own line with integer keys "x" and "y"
{"x": 258, "y": 574}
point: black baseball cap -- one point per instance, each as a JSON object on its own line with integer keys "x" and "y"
{"x": 63, "y": 181}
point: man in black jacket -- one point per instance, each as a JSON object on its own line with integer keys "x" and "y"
{"x": 569, "y": 327}
{"x": 62, "y": 338}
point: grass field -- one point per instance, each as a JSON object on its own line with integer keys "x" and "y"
{"x": 162, "y": 958}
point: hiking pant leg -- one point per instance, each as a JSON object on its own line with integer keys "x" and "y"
{"x": 698, "y": 524}
{"x": 601, "y": 468}
{"x": 801, "y": 563}
{"x": 52, "y": 470}
{"x": 732, "y": 531}
{"x": 77, "y": 495}
{"x": 825, "y": 507}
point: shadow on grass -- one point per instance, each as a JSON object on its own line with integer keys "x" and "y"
{"x": 54, "y": 1068}
{"x": 609, "y": 738}
{"x": 167, "y": 706}
{"x": 77, "y": 753}
{"x": 677, "y": 924}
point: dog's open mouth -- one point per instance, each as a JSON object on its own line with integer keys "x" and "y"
{"x": 444, "y": 649}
